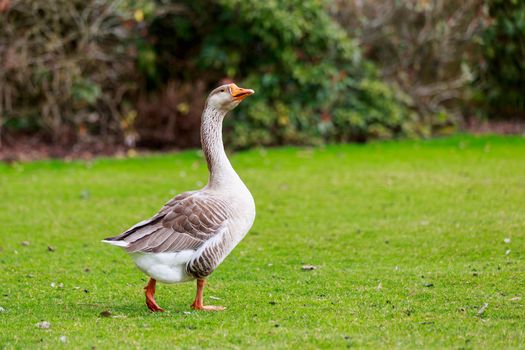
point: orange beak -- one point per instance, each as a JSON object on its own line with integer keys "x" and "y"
{"x": 238, "y": 93}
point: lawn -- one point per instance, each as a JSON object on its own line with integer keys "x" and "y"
{"x": 416, "y": 244}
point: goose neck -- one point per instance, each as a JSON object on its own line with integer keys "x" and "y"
{"x": 221, "y": 171}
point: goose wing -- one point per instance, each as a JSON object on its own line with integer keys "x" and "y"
{"x": 185, "y": 222}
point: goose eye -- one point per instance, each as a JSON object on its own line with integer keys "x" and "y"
{"x": 221, "y": 90}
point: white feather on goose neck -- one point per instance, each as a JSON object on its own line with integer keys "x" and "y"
{"x": 222, "y": 174}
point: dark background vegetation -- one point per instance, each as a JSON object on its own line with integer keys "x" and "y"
{"x": 136, "y": 73}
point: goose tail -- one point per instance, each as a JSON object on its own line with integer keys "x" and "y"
{"x": 123, "y": 244}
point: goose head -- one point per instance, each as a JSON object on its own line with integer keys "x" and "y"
{"x": 227, "y": 97}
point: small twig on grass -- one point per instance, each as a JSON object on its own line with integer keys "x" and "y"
{"x": 481, "y": 311}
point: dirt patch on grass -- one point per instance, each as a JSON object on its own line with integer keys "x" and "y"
{"x": 503, "y": 127}
{"x": 24, "y": 148}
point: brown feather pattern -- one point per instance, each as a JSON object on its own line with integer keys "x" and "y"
{"x": 204, "y": 264}
{"x": 185, "y": 222}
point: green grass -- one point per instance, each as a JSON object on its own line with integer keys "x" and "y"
{"x": 408, "y": 240}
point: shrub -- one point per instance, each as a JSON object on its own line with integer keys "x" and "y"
{"x": 502, "y": 72}
{"x": 311, "y": 81}
{"x": 65, "y": 68}
{"x": 426, "y": 48}
{"x": 78, "y": 69}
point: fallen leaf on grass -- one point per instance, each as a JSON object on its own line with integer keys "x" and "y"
{"x": 63, "y": 339}
{"x": 515, "y": 299}
{"x": 309, "y": 267}
{"x": 25, "y": 243}
{"x": 105, "y": 313}
{"x": 428, "y": 285}
{"x": 481, "y": 311}
{"x": 44, "y": 325}
{"x": 85, "y": 194}
{"x": 214, "y": 298}
{"x": 50, "y": 248}
{"x": 2, "y": 309}
{"x": 506, "y": 240}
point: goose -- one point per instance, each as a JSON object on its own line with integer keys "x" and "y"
{"x": 193, "y": 232}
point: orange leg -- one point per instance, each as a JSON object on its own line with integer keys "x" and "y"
{"x": 150, "y": 296}
{"x": 197, "y": 304}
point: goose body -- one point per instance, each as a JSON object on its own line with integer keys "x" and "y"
{"x": 195, "y": 231}
{"x": 170, "y": 255}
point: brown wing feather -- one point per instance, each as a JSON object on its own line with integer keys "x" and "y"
{"x": 185, "y": 222}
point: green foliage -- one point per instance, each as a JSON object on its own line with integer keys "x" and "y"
{"x": 86, "y": 91}
{"x": 309, "y": 76}
{"x": 120, "y": 69}
{"x": 312, "y": 83}
{"x": 503, "y": 48}
{"x": 407, "y": 237}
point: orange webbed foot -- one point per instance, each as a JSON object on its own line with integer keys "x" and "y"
{"x": 150, "y": 296}
{"x": 198, "y": 304}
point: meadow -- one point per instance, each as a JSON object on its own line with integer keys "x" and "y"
{"x": 414, "y": 244}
